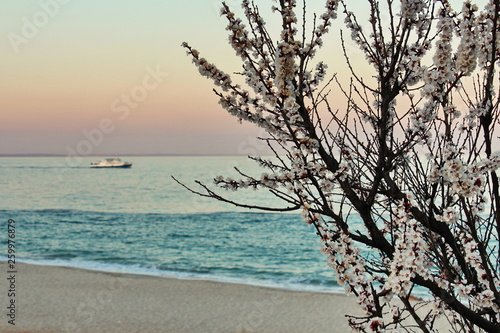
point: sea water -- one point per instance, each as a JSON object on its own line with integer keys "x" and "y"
{"x": 141, "y": 221}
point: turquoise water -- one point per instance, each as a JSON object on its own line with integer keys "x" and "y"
{"x": 139, "y": 220}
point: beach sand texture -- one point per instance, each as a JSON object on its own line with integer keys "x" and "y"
{"x": 60, "y": 299}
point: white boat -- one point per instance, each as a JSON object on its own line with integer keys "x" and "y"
{"x": 110, "y": 163}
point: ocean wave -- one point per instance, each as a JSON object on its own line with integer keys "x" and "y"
{"x": 317, "y": 286}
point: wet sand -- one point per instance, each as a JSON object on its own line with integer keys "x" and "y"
{"x": 60, "y": 299}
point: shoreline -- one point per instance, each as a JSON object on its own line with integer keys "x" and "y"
{"x": 184, "y": 275}
{"x": 68, "y": 299}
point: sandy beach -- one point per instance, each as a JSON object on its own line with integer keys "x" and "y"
{"x": 60, "y": 299}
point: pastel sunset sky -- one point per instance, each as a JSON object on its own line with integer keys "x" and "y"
{"x": 72, "y": 69}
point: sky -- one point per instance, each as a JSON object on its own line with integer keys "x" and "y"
{"x": 92, "y": 77}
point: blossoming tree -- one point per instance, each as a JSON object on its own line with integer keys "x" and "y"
{"x": 400, "y": 179}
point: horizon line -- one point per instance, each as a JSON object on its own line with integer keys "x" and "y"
{"x": 115, "y": 155}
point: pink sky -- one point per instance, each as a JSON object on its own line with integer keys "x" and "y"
{"x": 74, "y": 69}
{"x": 69, "y": 65}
